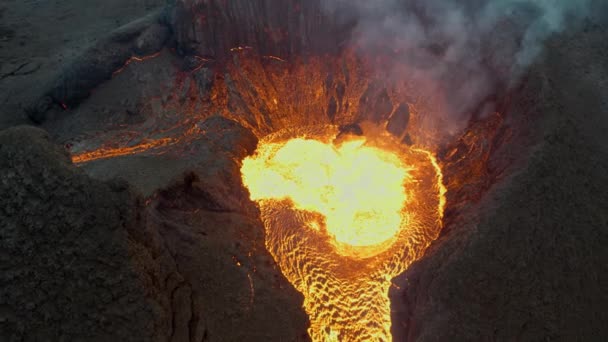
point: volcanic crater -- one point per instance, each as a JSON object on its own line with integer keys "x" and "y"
{"x": 163, "y": 115}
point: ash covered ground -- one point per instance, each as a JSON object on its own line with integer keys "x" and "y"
{"x": 166, "y": 246}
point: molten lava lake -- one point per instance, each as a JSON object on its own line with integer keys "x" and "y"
{"x": 343, "y": 220}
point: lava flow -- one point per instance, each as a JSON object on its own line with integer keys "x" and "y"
{"x": 342, "y": 220}
{"x": 104, "y": 153}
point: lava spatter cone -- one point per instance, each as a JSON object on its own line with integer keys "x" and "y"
{"x": 342, "y": 221}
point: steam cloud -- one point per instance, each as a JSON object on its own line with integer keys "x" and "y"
{"x": 472, "y": 47}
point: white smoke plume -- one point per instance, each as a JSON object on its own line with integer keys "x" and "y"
{"x": 470, "y": 47}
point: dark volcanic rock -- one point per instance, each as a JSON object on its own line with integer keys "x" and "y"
{"x": 332, "y": 108}
{"x": 152, "y": 39}
{"x": 531, "y": 263}
{"x": 375, "y": 104}
{"x": 235, "y": 292}
{"x": 407, "y": 139}
{"x": 37, "y": 111}
{"x": 190, "y": 63}
{"x": 340, "y": 91}
{"x": 346, "y": 131}
{"x": 198, "y": 209}
{"x": 98, "y": 63}
{"x": 281, "y": 28}
{"x": 230, "y": 136}
{"x": 382, "y": 107}
{"x": 204, "y": 81}
{"x": 73, "y": 265}
{"x": 397, "y": 124}
{"x": 350, "y": 129}
{"x": 82, "y": 260}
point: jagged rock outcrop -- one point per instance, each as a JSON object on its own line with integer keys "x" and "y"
{"x": 399, "y": 120}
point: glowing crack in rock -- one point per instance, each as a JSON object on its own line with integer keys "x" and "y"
{"x": 342, "y": 220}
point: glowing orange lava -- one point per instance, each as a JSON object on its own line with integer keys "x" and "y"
{"x": 357, "y": 188}
{"x": 342, "y": 221}
{"x": 104, "y": 153}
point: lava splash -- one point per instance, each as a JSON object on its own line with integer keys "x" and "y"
{"x": 342, "y": 220}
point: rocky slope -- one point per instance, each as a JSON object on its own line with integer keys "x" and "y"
{"x": 73, "y": 265}
{"x": 530, "y": 262}
{"x": 85, "y": 259}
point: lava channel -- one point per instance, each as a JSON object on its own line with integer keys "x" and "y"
{"x": 342, "y": 220}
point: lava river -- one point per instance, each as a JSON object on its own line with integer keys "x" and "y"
{"x": 342, "y": 218}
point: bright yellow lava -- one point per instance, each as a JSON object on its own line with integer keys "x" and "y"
{"x": 358, "y": 189}
{"x": 342, "y": 221}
